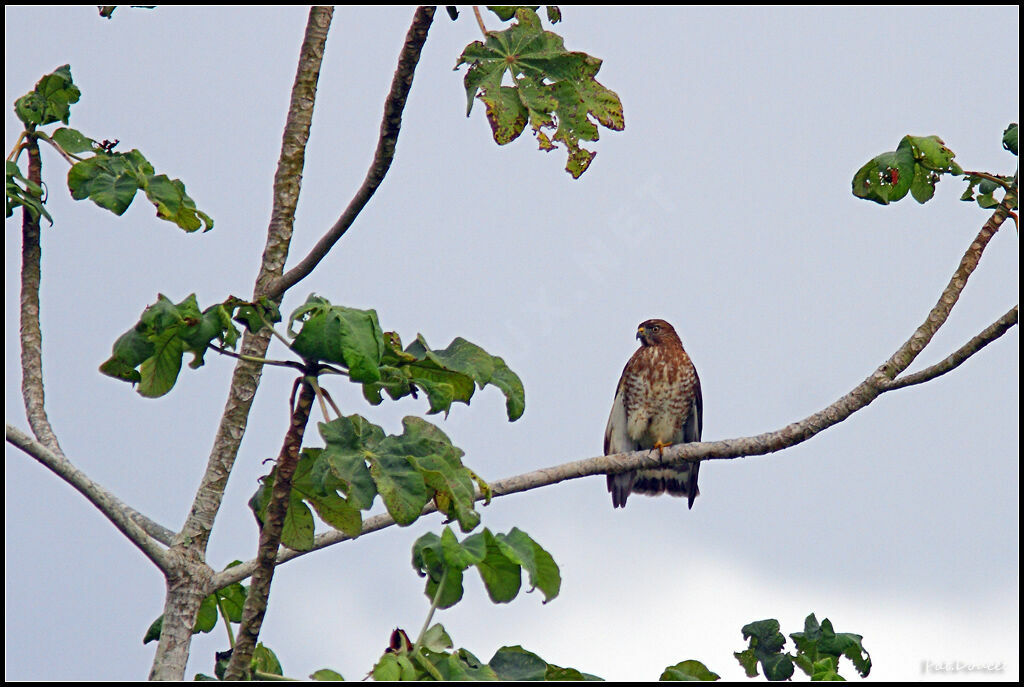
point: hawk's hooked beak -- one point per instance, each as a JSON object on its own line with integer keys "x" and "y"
{"x": 640, "y": 334}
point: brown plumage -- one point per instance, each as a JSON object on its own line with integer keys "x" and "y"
{"x": 657, "y": 404}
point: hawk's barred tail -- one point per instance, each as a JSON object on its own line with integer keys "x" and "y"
{"x": 675, "y": 481}
{"x": 620, "y": 486}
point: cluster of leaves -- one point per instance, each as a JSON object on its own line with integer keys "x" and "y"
{"x": 980, "y": 188}
{"x": 354, "y": 340}
{"x": 109, "y": 179}
{"x": 818, "y": 650}
{"x": 913, "y": 167}
{"x": 550, "y": 87}
{"x": 916, "y": 166}
{"x": 499, "y": 558}
{"x": 357, "y": 463}
{"x": 150, "y": 353}
{"x": 434, "y": 658}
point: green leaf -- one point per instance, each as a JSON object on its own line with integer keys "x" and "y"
{"x": 265, "y": 661}
{"x": 252, "y": 315}
{"x": 436, "y": 638}
{"x": 514, "y": 663}
{"x": 748, "y": 660}
{"x": 932, "y": 153}
{"x": 886, "y": 178}
{"x": 1010, "y": 138}
{"x": 439, "y": 463}
{"x": 72, "y": 140}
{"x": 174, "y": 205}
{"x": 554, "y": 14}
{"x": 450, "y": 374}
{"x": 765, "y": 647}
{"x": 336, "y": 334}
{"x": 109, "y": 179}
{"x": 326, "y": 674}
{"x": 400, "y": 485}
{"x": 429, "y": 560}
{"x": 51, "y": 99}
{"x": 822, "y": 641}
{"x": 150, "y": 354}
{"x": 915, "y": 166}
{"x": 297, "y": 533}
{"x": 520, "y": 548}
{"x": 688, "y": 671}
{"x": 554, "y": 89}
{"x": 502, "y": 576}
{"x": 24, "y": 193}
{"x": 153, "y": 633}
{"x": 231, "y": 598}
{"x": 922, "y": 188}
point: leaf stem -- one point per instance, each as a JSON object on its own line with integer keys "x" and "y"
{"x": 256, "y": 359}
{"x": 480, "y": 21}
{"x": 71, "y": 159}
{"x": 430, "y": 613}
{"x": 990, "y": 177}
{"x": 227, "y": 622}
{"x": 18, "y": 147}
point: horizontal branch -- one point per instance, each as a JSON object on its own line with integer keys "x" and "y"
{"x": 879, "y": 382}
{"x": 126, "y": 519}
{"x": 390, "y": 126}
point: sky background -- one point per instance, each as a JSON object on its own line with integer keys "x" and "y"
{"x": 724, "y": 207}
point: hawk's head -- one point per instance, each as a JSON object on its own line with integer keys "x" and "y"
{"x": 656, "y": 333}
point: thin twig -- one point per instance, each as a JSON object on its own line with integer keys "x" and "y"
{"x": 859, "y": 397}
{"x": 390, "y": 127}
{"x": 254, "y": 359}
{"x": 984, "y": 175}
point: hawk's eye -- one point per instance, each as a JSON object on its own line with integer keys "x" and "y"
{"x": 655, "y": 328}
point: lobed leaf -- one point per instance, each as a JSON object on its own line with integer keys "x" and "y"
{"x": 500, "y": 560}
{"x": 111, "y": 180}
{"x": 50, "y": 101}
{"x": 345, "y": 336}
{"x": 765, "y": 648}
{"x": 150, "y": 354}
{"x": 552, "y": 88}
{"x": 359, "y": 462}
{"x": 72, "y": 140}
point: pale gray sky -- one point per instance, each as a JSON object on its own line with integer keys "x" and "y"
{"x": 724, "y": 208}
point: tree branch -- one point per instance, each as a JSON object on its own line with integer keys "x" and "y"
{"x": 126, "y": 519}
{"x": 190, "y": 548}
{"x": 270, "y": 539}
{"x": 389, "y": 130}
{"x": 32, "y": 381}
{"x": 31, "y": 334}
{"x": 955, "y": 359}
{"x": 879, "y": 382}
